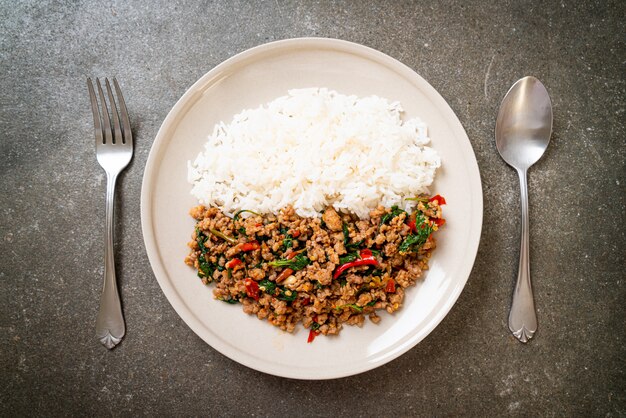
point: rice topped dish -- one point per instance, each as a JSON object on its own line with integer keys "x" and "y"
{"x": 315, "y": 209}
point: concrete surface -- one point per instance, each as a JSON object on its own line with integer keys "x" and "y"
{"x": 52, "y": 203}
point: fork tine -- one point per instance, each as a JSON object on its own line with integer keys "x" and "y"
{"x": 108, "y": 135}
{"x": 128, "y": 135}
{"x": 116, "y": 118}
{"x": 96, "y": 113}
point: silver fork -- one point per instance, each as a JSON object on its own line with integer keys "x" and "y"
{"x": 114, "y": 150}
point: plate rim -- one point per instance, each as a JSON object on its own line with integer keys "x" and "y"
{"x": 161, "y": 140}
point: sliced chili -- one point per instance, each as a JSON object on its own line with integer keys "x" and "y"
{"x": 234, "y": 263}
{"x": 250, "y": 246}
{"x": 367, "y": 259}
{"x": 412, "y": 224}
{"x": 391, "y": 286}
{"x": 312, "y": 335}
{"x": 284, "y": 274}
{"x": 252, "y": 289}
{"x": 294, "y": 253}
{"x": 314, "y": 330}
{"x": 439, "y": 221}
{"x": 438, "y": 198}
{"x": 365, "y": 253}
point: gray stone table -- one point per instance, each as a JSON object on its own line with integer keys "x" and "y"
{"x": 52, "y": 206}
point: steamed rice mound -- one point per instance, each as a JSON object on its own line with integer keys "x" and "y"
{"x": 312, "y": 149}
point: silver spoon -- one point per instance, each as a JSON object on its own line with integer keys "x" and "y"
{"x": 523, "y": 130}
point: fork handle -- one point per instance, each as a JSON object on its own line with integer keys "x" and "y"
{"x": 522, "y": 318}
{"x": 110, "y": 327}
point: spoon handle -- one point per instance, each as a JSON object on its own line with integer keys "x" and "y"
{"x": 522, "y": 318}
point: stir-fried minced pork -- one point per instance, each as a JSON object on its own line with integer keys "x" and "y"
{"x": 322, "y": 272}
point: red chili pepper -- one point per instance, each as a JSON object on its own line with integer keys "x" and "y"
{"x": 250, "y": 246}
{"x": 252, "y": 289}
{"x": 367, "y": 259}
{"x": 294, "y": 253}
{"x": 295, "y": 234}
{"x": 306, "y": 301}
{"x": 391, "y": 286}
{"x": 438, "y": 198}
{"x": 364, "y": 253}
{"x": 258, "y": 225}
{"x": 412, "y": 224}
{"x": 312, "y": 335}
{"x": 233, "y": 263}
{"x": 284, "y": 274}
{"x": 439, "y": 221}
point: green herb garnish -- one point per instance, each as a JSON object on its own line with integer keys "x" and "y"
{"x": 201, "y": 240}
{"x": 362, "y": 289}
{"x": 346, "y": 238}
{"x": 267, "y": 286}
{"x": 230, "y": 300}
{"x": 395, "y": 211}
{"x": 315, "y": 326}
{"x": 218, "y": 266}
{"x": 377, "y": 272}
{"x": 413, "y": 242}
{"x": 355, "y": 245}
{"x": 370, "y": 271}
{"x": 287, "y": 295}
{"x": 418, "y": 199}
{"x": 351, "y": 305}
{"x": 242, "y": 211}
{"x": 297, "y": 263}
{"x": 205, "y": 268}
{"x": 348, "y": 258}
{"x": 222, "y": 236}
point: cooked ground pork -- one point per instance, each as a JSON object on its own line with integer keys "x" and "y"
{"x": 322, "y": 272}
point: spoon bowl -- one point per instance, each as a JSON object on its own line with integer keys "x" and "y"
{"x": 523, "y": 130}
{"x": 524, "y": 123}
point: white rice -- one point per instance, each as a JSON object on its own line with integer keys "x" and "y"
{"x": 311, "y": 149}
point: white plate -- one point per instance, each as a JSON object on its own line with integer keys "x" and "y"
{"x": 248, "y": 80}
